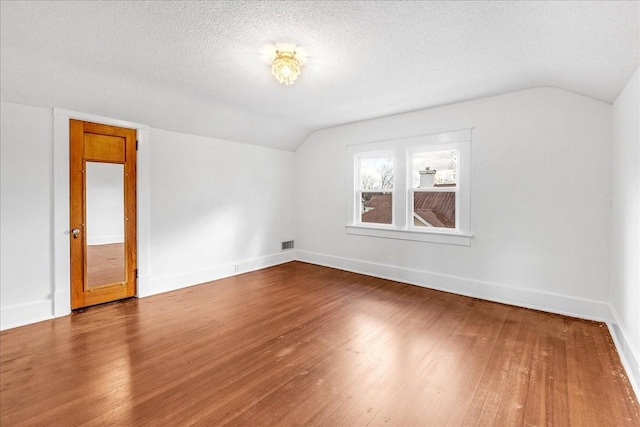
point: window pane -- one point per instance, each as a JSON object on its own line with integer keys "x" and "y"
{"x": 434, "y": 209}
{"x": 434, "y": 169}
{"x": 376, "y": 207}
{"x": 376, "y": 173}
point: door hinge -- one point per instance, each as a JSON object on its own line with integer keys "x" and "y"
{"x": 137, "y": 145}
{"x": 136, "y": 273}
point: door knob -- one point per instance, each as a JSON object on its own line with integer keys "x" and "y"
{"x": 75, "y": 232}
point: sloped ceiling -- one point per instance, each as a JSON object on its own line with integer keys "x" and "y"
{"x": 202, "y": 68}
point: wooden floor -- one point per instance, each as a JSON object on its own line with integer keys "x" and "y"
{"x": 105, "y": 264}
{"x": 298, "y": 345}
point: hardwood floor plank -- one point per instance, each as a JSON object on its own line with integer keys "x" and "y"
{"x": 483, "y": 330}
{"x": 432, "y": 377}
{"x": 302, "y": 345}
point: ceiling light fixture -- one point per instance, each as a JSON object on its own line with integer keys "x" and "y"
{"x": 286, "y": 67}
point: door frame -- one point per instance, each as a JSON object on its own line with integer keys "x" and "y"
{"x": 60, "y": 228}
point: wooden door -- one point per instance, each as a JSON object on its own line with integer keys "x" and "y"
{"x": 102, "y": 213}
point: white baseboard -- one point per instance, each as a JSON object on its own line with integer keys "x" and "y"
{"x": 144, "y": 286}
{"x": 25, "y": 314}
{"x": 630, "y": 359}
{"x": 62, "y": 303}
{"x": 171, "y": 283}
{"x": 522, "y": 297}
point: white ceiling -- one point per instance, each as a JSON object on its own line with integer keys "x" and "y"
{"x": 201, "y": 68}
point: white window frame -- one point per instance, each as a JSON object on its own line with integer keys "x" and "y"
{"x": 402, "y": 196}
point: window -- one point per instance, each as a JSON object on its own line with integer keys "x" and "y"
{"x": 375, "y": 191}
{"x": 413, "y": 189}
{"x": 433, "y": 187}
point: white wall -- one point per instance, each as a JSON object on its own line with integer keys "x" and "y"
{"x": 625, "y": 236}
{"x": 25, "y": 211}
{"x": 540, "y": 202}
{"x": 214, "y": 204}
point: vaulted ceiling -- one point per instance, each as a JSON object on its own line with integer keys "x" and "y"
{"x": 202, "y": 67}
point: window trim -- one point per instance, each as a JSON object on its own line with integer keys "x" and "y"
{"x": 402, "y": 196}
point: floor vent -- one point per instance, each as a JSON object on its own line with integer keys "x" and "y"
{"x": 287, "y": 245}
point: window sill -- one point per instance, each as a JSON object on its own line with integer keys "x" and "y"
{"x": 447, "y": 238}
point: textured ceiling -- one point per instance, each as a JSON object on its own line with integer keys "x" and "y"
{"x": 201, "y": 68}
